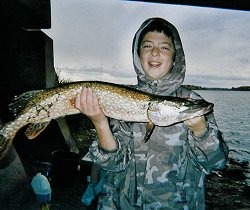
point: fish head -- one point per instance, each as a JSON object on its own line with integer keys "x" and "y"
{"x": 173, "y": 110}
{"x": 196, "y": 107}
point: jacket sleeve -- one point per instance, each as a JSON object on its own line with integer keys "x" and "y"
{"x": 118, "y": 159}
{"x": 209, "y": 151}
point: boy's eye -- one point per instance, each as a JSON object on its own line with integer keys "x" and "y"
{"x": 165, "y": 48}
{"x": 146, "y": 46}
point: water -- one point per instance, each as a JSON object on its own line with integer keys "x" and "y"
{"x": 232, "y": 113}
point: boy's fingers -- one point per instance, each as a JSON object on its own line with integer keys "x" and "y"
{"x": 95, "y": 102}
{"x": 77, "y": 101}
{"x": 89, "y": 102}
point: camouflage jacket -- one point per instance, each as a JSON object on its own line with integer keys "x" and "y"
{"x": 168, "y": 171}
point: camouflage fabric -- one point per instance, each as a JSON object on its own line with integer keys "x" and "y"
{"x": 168, "y": 171}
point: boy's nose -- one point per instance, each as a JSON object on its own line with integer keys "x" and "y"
{"x": 155, "y": 51}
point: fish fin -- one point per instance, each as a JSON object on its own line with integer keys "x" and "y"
{"x": 19, "y": 102}
{"x": 33, "y": 130}
{"x": 149, "y": 130}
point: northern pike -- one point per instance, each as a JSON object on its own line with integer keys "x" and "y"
{"x": 38, "y": 108}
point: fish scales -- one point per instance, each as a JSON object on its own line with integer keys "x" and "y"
{"x": 120, "y": 102}
{"x": 117, "y": 101}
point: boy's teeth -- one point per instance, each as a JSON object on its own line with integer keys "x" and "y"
{"x": 154, "y": 63}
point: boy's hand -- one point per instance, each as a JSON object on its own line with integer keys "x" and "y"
{"x": 197, "y": 125}
{"x": 87, "y": 103}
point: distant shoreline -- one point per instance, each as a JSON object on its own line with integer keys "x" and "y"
{"x": 194, "y": 87}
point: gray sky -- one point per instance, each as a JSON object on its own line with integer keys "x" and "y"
{"x": 93, "y": 38}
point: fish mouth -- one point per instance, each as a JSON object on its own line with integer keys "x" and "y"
{"x": 209, "y": 108}
{"x": 200, "y": 108}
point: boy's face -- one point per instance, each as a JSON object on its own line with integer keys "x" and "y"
{"x": 157, "y": 55}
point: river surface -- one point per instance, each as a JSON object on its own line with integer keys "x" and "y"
{"x": 232, "y": 113}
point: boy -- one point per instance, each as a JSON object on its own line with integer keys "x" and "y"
{"x": 168, "y": 171}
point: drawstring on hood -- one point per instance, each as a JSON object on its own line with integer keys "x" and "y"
{"x": 173, "y": 80}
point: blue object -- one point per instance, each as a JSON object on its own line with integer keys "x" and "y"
{"x": 41, "y": 188}
{"x": 93, "y": 189}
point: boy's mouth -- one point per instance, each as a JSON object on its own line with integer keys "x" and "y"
{"x": 154, "y": 63}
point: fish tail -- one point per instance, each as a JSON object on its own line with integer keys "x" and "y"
{"x": 5, "y": 141}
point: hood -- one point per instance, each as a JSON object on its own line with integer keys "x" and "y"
{"x": 173, "y": 80}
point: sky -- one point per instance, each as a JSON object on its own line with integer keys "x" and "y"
{"x": 92, "y": 40}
